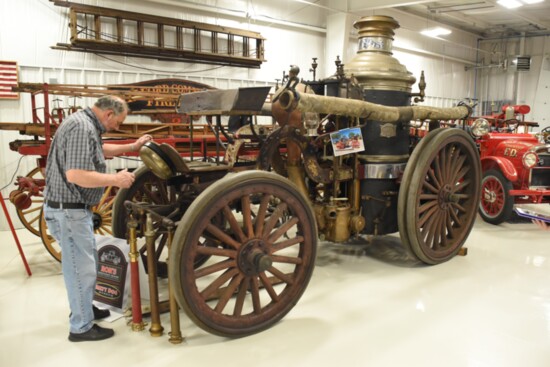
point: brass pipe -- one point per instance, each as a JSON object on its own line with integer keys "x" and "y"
{"x": 137, "y": 317}
{"x": 296, "y": 175}
{"x": 156, "y": 327}
{"x": 291, "y": 100}
{"x": 175, "y": 333}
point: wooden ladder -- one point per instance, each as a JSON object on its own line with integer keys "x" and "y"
{"x": 116, "y": 32}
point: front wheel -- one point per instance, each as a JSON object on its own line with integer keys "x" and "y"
{"x": 496, "y": 204}
{"x": 259, "y": 234}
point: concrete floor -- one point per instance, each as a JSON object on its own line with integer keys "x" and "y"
{"x": 373, "y": 308}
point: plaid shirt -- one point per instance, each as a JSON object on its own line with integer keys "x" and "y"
{"x": 77, "y": 144}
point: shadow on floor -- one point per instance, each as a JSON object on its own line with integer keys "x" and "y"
{"x": 387, "y": 249}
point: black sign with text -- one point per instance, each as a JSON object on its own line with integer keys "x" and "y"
{"x": 111, "y": 276}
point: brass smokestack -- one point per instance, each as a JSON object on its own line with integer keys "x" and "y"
{"x": 374, "y": 66}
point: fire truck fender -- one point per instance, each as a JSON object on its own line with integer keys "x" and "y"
{"x": 502, "y": 164}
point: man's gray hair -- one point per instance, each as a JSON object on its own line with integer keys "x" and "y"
{"x": 114, "y": 103}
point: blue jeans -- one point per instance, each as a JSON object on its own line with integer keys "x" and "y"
{"x": 73, "y": 230}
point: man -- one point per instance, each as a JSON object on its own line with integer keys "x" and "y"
{"x": 75, "y": 178}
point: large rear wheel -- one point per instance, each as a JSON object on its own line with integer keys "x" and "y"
{"x": 259, "y": 234}
{"x": 442, "y": 196}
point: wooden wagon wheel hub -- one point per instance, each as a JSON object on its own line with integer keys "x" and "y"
{"x": 447, "y": 196}
{"x": 253, "y": 258}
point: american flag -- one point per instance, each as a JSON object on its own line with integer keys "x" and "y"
{"x": 8, "y": 79}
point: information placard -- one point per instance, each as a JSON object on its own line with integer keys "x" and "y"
{"x": 113, "y": 272}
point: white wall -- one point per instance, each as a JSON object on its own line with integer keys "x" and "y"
{"x": 528, "y": 87}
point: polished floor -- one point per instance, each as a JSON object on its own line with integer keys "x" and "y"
{"x": 377, "y": 307}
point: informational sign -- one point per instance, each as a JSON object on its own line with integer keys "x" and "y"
{"x": 112, "y": 278}
{"x": 347, "y": 141}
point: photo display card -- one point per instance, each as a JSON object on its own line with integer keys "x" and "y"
{"x": 347, "y": 141}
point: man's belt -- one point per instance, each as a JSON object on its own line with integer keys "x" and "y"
{"x": 56, "y": 205}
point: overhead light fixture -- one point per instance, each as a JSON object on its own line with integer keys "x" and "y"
{"x": 512, "y": 4}
{"x": 436, "y": 32}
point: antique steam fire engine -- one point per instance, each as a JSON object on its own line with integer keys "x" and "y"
{"x": 245, "y": 244}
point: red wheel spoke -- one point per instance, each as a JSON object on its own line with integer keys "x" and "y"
{"x": 452, "y": 160}
{"x": 216, "y": 284}
{"x": 437, "y": 184}
{"x": 426, "y": 206}
{"x": 255, "y": 291}
{"x": 241, "y": 296}
{"x": 449, "y": 224}
{"x": 228, "y": 293}
{"x": 216, "y": 251}
{"x": 461, "y": 174}
{"x": 437, "y": 170}
{"x": 284, "y": 277}
{"x": 429, "y": 214}
{"x": 429, "y": 229}
{"x": 286, "y": 259}
{"x": 428, "y": 186}
{"x": 282, "y": 230}
{"x": 269, "y": 288}
{"x": 458, "y": 222}
{"x": 459, "y": 165}
{"x": 222, "y": 236}
{"x": 284, "y": 244}
{"x": 459, "y": 207}
{"x": 277, "y": 214}
{"x": 214, "y": 268}
{"x": 247, "y": 216}
{"x": 233, "y": 224}
{"x": 260, "y": 218}
{"x": 461, "y": 185}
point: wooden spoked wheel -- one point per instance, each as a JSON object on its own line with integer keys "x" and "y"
{"x": 439, "y": 195}
{"x": 30, "y": 217}
{"x": 102, "y": 218}
{"x": 259, "y": 236}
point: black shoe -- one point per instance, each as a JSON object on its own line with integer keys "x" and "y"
{"x": 100, "y": 314}
{"x": 95, "y": 333}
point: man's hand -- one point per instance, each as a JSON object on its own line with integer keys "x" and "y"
{"x": 124, "y": 179}
{"x": 542, "y": 224}
{"x": 142, "y": 140}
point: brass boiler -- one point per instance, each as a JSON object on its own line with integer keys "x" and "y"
{"x": 383, "y": 81}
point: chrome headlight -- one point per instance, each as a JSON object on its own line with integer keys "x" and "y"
{"x": 530, "y": 159}
{"x": 480, "y": 127}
